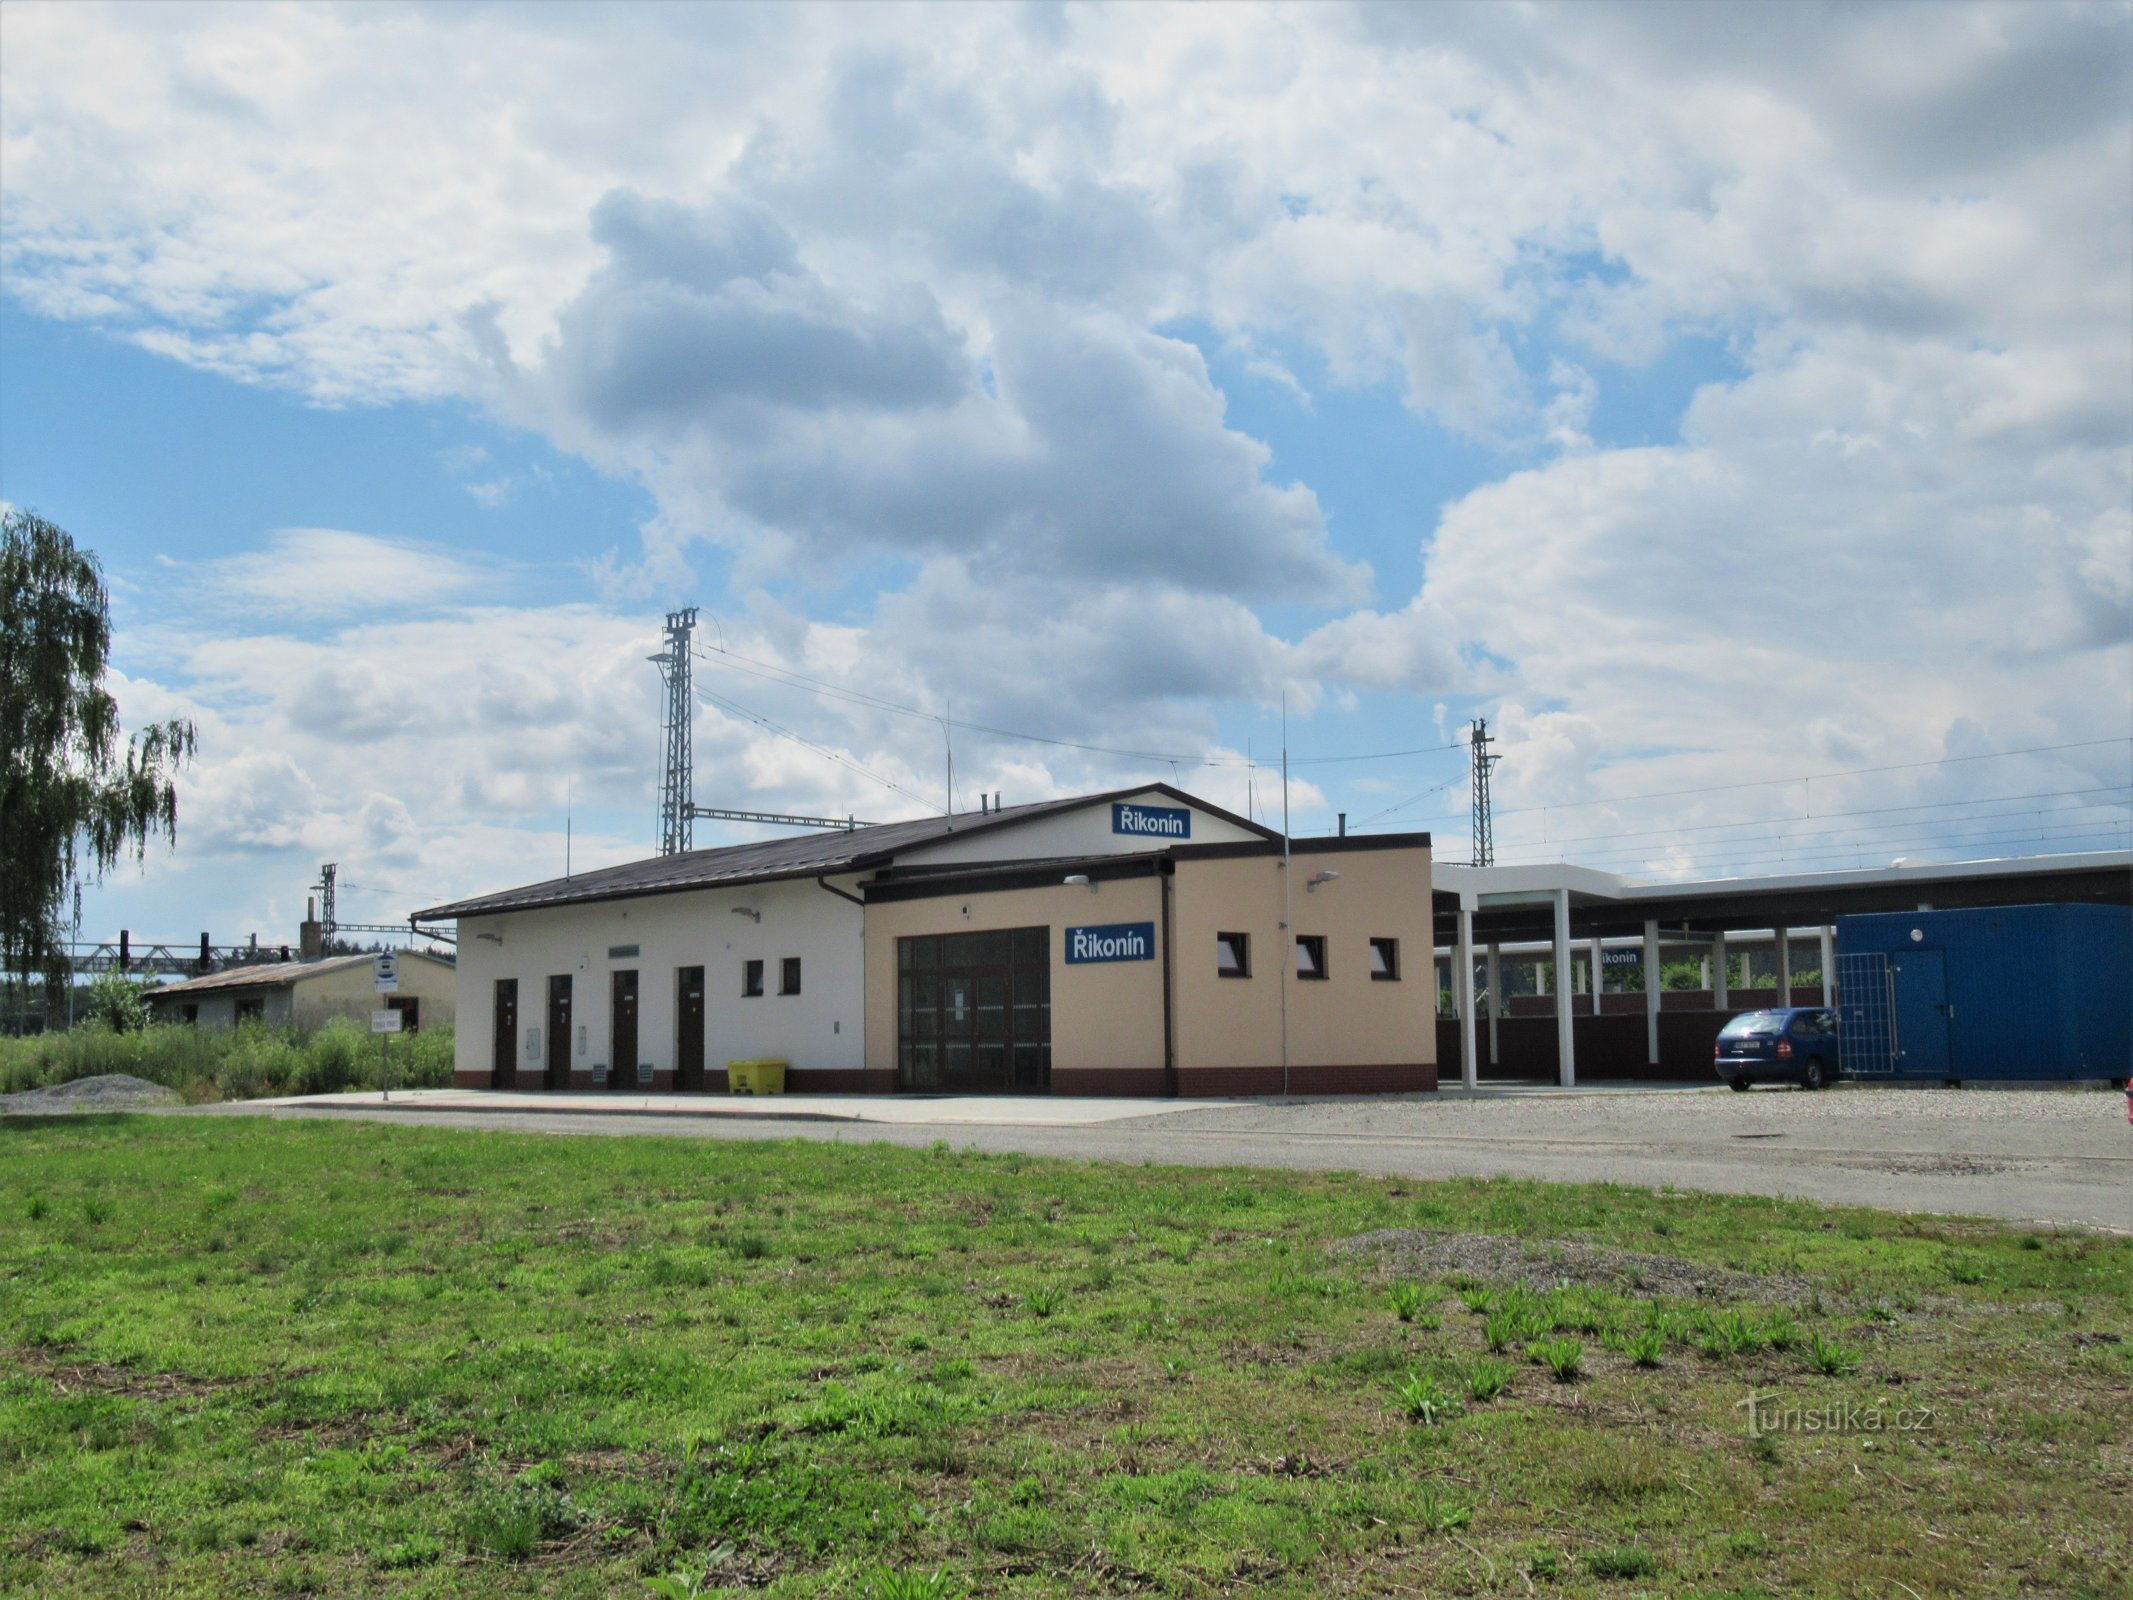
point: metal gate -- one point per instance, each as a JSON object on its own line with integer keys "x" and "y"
{"x": 1867, "y": 1041}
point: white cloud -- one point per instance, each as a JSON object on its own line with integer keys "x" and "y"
{"x": 330, "y": 572}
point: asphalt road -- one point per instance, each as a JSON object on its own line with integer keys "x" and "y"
{"x": 2050, "y": 1156}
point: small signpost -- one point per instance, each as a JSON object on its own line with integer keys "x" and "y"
{"x": 385, "y": 978}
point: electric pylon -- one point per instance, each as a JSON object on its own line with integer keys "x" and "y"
{"x": 677, "y": 790}
{"x": 1483, "y": 829}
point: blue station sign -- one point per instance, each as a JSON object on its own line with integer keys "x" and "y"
{"x": 1151, "y": 822}
{"x": 1111, "y": 941}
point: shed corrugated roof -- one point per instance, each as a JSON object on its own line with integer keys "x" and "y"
{"x": 809, "y": 855}
{"x": 271, "y": 975}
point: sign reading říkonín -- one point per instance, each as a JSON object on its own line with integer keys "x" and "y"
{"x": 1112, "y": 941}
{"x": 1151, "y": 822}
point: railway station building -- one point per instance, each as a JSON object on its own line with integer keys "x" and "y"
{"x": 1136, "y": 942}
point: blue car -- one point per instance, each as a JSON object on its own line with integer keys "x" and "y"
{"x": 1794, "y": 1045}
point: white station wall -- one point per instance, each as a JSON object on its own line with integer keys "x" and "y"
{"x": 819, "y": 1027}
{"x": 1085, "y": 831}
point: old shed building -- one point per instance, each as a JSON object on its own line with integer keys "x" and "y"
{"x": 1139, "y": 942}
{"x": 309, "y": 994}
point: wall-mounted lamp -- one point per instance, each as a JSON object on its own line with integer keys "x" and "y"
{"x": 747, "y": 911}
{"x": 1318, "y": 878}
{"x": 493, "y": 938}
{"x": 1081, "y": 880}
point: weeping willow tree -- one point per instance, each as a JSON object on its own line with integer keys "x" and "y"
{"x": 74, "y": 795}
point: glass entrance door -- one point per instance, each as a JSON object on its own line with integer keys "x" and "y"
{"x": 974, "y": 1012}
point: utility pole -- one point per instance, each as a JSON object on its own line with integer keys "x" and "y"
{"x": 677, "y": 789}
{"x": 1483, "y": 829}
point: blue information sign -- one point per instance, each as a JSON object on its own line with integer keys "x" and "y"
{"x": 1112, "y": 941}
{"x": 1151, "y": 822}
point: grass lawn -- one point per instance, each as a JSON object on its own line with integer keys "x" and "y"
{"x": 310, "y": 1358}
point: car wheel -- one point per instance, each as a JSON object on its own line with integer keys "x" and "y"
{"x": 1737, "y": 1083}
{"x": 1814, "y": 1078}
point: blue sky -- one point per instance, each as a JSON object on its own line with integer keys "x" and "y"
{"x": 1176, "y": 364}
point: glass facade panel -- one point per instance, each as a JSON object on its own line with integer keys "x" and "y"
{"x": 974, "y": 1011}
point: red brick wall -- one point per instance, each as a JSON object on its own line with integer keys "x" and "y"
{"x": 1303, "y": 1078}
{"x": 836, "y": 1080}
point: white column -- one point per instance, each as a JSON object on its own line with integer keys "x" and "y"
{"x": 1469, "y": 1069}
{"x": 1703, "y": 974}
{"x": 1599, "y": 969}
{"x": 1495, "y": 977}
{"x": 1829, "y": 965}
{"x": 1653, "y": 981}
{"x": 1566, "y": 1049}
{"x": 1719, "y": 1001}
{"x": 1783, "y": 937}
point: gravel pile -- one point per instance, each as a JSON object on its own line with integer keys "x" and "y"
{"x": 110, "y": 1091}
{"x": 1500, "y": 1258}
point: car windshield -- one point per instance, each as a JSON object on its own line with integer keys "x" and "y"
{"x": 1756, "y": 1022}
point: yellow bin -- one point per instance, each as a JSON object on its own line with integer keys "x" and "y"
{"x": 755, "y": 1077}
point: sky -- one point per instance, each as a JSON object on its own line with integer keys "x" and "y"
{"x": 1731, "y": 404}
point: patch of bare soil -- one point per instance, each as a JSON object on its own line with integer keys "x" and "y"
{"x": 1498, "y": 1258}
{"x": 69, "y": 1376}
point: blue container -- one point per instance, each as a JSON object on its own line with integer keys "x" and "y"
{"x": 2003, "y": 992}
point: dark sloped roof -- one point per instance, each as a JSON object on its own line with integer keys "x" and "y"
{"x": 809, "y": 855}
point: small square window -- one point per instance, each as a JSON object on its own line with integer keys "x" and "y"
{"x": 789, "y": 975}
{"x": 1385, "y": 960}
{"x": 1233, "y": 955}
{"x": 1310, "y": 955}
{"x": 751, "y": 979}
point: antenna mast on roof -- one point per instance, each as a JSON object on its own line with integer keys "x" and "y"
{"x": 1483, "y": 828}
{"x": 677, "y": 789}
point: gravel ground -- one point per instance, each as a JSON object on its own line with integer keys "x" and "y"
{"x": 2046, "y": 1156}
{"x": 111, "y": 1091}
{"x": 1497, "y": 1258}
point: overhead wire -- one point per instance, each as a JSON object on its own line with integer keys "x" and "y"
{"x": 735, "y": 708}
{"x": 773, "y": 673}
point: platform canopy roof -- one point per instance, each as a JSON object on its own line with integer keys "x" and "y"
{"x": 1517, "y": 904}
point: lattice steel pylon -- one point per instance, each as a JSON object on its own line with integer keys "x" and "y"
{"x": 327, "y": 921}
{"x": 677, "y": 788}
{"x": 1483, "y": 829}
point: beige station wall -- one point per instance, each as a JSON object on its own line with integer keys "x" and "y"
{"x": 1348, "y": 1019}
{"x": 351, "y": 991}
{"x": 1105, "y": 1015}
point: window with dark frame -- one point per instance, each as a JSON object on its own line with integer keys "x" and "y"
{"x": 1233, "y": 955}
{"x": 751, "y": 979}
{"x": 1385, "y": 960}
{"x": 789, "y": 975}
{"x": 1310, "y": 955}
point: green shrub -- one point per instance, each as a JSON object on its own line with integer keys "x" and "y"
{"x": 1406, "y": 1300}
{"x": 252, "y": 1060}
{"x": 114, "y": 1001}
